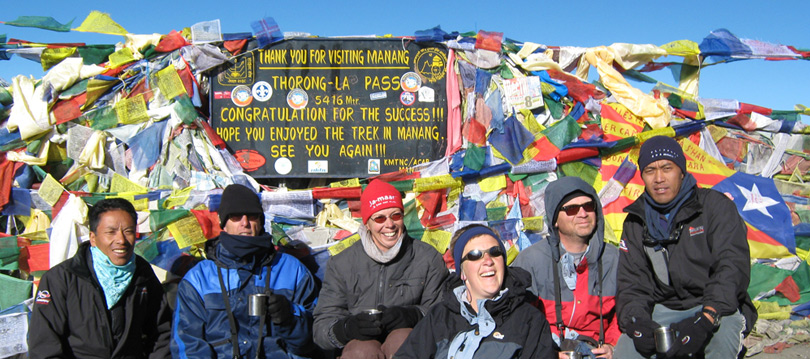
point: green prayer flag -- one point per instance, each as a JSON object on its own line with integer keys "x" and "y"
{"x": 765, "y": 278}
{"x": 563, "y": 132}
{"x": 14, "y": 291}
{"x": 160, "y": 219}
{"x": 9, "y": 253}
{"x": 580, "y": 169}
{"x": 474, "y": 158}
{"x": 42, "y": 22}
{"x": 95, "y": 54}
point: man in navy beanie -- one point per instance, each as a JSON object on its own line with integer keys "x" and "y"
{"x": 211, "y": 318}
{"x": 683, "y": 264}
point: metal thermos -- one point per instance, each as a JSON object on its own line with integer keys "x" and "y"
{"x": 375, "y": 314}
{"x": 257, "y": 305}
{"x": 664, "y": 338}
{"x": 573, "y": 354}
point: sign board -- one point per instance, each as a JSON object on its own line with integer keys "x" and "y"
{"x": 333, "y": 108}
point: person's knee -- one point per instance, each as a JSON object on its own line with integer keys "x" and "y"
{"x": 394, "y": 340}
{"x": 362, "y": 349}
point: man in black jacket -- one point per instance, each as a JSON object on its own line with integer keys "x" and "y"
{"x": 105, "y": 301}
{"x": 684, "y": 263}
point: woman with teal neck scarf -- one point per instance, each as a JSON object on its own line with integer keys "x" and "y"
{"x": 105, "y": 301}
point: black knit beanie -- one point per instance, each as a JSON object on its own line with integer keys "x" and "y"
{"x": 661, "y": 148}
{"x": 238, "y": 199}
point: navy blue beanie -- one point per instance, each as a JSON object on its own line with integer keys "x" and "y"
{"x": 661, "y": 148}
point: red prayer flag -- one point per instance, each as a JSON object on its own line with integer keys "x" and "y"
{"x": 235, "y": 46}
{"x": 35, "y": 258}
{"x": 489, "y": 40}
{"x": 173, "y": 41}
{"x": 68, "y": 110}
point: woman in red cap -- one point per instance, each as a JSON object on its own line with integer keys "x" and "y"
{"x": 385, "y": 270}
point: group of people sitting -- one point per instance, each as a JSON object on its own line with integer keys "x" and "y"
{"x": 683, "y": 264}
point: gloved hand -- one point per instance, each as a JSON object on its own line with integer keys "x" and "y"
{"x": 399, "y": 317}
{"x": 690, "y": 335}
{"x": 360, "y": 326}
{"x": 279, "y": 309}
{"x": 642, "y": 331}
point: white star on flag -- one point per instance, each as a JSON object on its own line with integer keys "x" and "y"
{"x": 756, "y": 201}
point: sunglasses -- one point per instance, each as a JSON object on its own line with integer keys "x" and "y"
{"x": 394, "y": 217}
{"x": 477, "y": 254}
{"x": 238, "y": 217}
{"x": 573, "y": 209}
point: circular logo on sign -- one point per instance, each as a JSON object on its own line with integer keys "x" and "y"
{"x": 250, "y": 160}
{"x": 283, "y": 165}
{"x": 431, "y": 63}
{"x": 262, "y": 91}
{"x": 410, "y": 81}
{"x": 240, "y": 95}
{"x": 297, "y": 99}
{"x": 407, "y": 98}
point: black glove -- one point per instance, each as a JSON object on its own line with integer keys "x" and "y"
{"x": 399, "y": 317}
{"x": 360, "y": 326}
{"x": 279, "y": 309}
{"x": 642, "y": 331}
{"x": 690, "y": 335}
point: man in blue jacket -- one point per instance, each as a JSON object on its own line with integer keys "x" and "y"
{"x": 211, "y": 317}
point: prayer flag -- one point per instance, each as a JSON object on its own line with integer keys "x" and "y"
{"x": 101, "y": 23}
{"x": 42, "y": 22}
{"x": 266, "y": 31}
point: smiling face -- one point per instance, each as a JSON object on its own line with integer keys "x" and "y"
{"x": 115, "y": 236}
{"x": 386, "y": 234}
{"x": 579, "y": 226}
{"x": 483, "y": 277}
{"x": 662, "y": 180}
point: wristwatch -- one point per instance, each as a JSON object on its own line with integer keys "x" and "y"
{"x": 714, "y": 315}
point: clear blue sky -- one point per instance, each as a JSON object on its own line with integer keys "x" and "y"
{"x": 774, "y": 84}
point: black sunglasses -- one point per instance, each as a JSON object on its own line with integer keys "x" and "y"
{"x": 477, "y": 254}
{"x": 238, "y": 217}
{"x": 573, "y": 209}
{"x": 394, "y": 217}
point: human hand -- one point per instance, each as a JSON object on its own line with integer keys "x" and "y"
{"x": 400, "y": 317}
{"x": 604, "y": 351}
{"x": 690, "y": 335}
{"x": 362, "y": 326}
{"x": 279, "y": 310}
{"x": 642, "y": 331}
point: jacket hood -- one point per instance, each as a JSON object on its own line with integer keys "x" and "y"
{"x": 555, "y": 192}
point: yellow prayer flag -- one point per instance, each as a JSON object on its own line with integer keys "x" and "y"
{"x": 436, "y": 182}
{"x": 186, "y": 231}
{"x": 352, "y": 182}
{"x": 534, "y": 224}
{"x": 131, "y": 110}
{"x": 345, "y": 243}
{"x": 170, "y": 83}
{"x": 101, "y": 23}
{"x": 438, "y": 239}
{"x": 141, "y": 205}
{"x": 492, "y": 184}
{"x": 646, "y": 135}
{"x": 121, "y": 57}
{"x": 682, "y": 48}
{"x": 50, "y": 57}
{"x": 511, "y": 254}
{"x": 121, "y": 184}
{"x": 50, "y": 190}
{"x": 177, "y": 198}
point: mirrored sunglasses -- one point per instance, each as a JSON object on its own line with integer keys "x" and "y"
{"x": 573, "y": 209}
{"x": 477, "y": 254}
{"x": 394, "y": 217}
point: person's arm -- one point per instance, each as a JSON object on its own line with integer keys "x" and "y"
{"x": 188, "y": 326}
{"x": 539, "y": 343}
{"x": 421, "y": 343}
{"x": 436, "y": 275}
{"x": 47, "y": 333}
{"x": 298, "y": 333}
{"x": 159, "y": 338}
{"x": 331, "y": 308}
{"x": 634, "y": 279}
{"x": 731, "y": 269}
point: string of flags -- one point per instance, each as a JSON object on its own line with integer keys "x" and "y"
{"x": 132, "y": 121}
